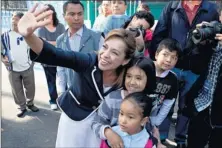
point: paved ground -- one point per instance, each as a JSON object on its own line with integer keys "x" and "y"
{"x": 35, "y": 129}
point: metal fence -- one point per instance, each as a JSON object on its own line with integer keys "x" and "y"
{"x": 91, "y": 10}
{"x": 7, "y": 9}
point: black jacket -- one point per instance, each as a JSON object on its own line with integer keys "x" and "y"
{"x": 86, "y": 94}
{"x": 190, "y": 110}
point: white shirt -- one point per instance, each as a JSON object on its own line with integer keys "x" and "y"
{"x": 75, "y": 39}
{"x": 19, "y": 52}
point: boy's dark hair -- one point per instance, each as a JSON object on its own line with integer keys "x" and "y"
{"x": 143, "y": 101}
{"x": 18, "y": 14}
{"x": 54, "y": 15}
{"x": 75, "y": 2}
{"x": 171, "y": 45}
{"x": 141, "y": 15}
{"x": 147, "y": 65}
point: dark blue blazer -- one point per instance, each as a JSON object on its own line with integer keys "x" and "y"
{"x": 86, "y": 93}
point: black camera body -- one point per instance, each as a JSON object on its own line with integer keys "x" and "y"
{"x": 137, "y": 31}
{"x": 206, "y": 32}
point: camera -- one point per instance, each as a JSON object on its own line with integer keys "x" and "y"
{"x": 137, "y": 31}
{"x": 207, "y": 31}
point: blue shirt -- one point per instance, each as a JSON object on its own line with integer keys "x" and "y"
{"x": 114, "y": 22}
{"x": 131, "y": 141}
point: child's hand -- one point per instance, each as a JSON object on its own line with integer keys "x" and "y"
{"x": 113, "y": 138}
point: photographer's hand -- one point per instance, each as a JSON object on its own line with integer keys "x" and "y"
{"x": 218, "y": 37}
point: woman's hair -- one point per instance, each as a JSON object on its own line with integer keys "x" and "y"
{"x": 142, "y": 100}
{"x": 141, "y": 15}
{"x": 128, "y": 38}
{"x": 147, "y": 65}
{"x": 54, "y": 15}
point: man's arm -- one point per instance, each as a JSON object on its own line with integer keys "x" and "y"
{"x": 219, "y": 38}
{"x": 164, "y": 110}
{"x": 61, "y": 79}
{"x": 4, "y": 58}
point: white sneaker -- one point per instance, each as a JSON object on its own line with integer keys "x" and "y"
{"x": 54, "y": 107}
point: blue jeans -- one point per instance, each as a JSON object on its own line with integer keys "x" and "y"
{"x": 189, "y": 79}
{"x": 164, "y": 128}
{"x": 50, "y": 73}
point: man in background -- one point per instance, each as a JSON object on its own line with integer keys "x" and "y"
{"x": 20, "y": 67}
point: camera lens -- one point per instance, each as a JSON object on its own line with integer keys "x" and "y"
{"x": 206, "y": 32}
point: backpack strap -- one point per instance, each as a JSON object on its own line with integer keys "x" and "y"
{"x": 149, "y": 144}
{"x": 104, "y": 144}
{"x": 152, "y": 141}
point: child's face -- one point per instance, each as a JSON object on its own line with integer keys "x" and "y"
{"x": 135, "y": 80}
{"x": 130, "y": 117}
{"x": 106, "y": 7}
{"x": 166, "y": 59}
{"x": 118, "y": 7}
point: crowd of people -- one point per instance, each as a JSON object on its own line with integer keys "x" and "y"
{"x": 117, "y": 83}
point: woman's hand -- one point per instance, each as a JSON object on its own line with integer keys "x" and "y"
{"x": 32, "y": 20}
{"x": 113, "y": 138}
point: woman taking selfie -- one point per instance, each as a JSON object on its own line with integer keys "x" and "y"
{"x": 95, "y": 72}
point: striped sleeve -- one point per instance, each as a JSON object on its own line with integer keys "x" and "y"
{"x": 102, "y": 119}
{"x": 164, "y": 110}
